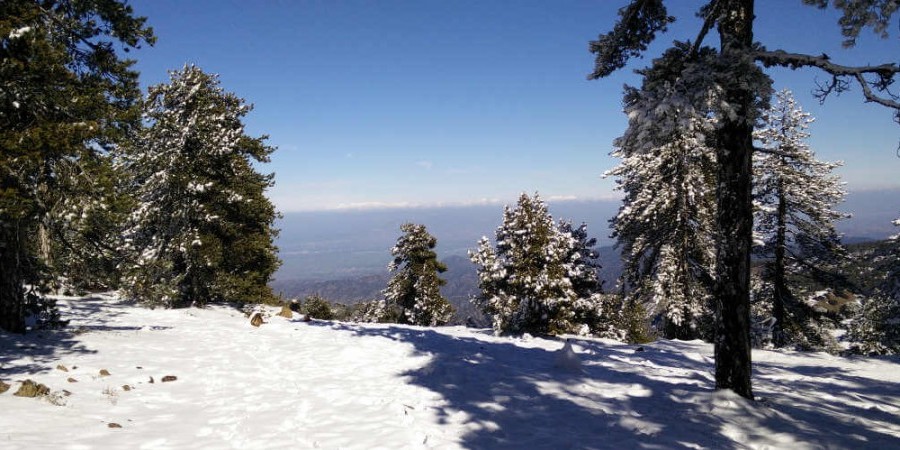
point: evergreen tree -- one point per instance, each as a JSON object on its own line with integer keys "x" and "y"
{"x": 876, "y": 329}
{"x": 415, "y": 288}
{"x": 739, "y": 77}
{"x": 525, "y": 282}
{"x": 795, "y": 194}
{"x": 585, "y": 260}
{"x": 203, "y": 229}
{"x": 66, "y": 98}
{"x": 665, "y": 225}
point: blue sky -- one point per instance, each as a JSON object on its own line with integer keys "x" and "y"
{"x": 428, "y": 102}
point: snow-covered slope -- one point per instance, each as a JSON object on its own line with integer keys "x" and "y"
{"x": 290, "y": 384}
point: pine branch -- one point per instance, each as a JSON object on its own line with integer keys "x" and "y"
{"x": 708, "y": 23}
{"x": 885, "y": 75}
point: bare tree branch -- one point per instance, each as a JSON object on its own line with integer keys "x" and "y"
{"x": 884, "y": 74}
{"x": 712, "y": 15}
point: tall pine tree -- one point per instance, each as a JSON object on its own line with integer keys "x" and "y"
{"x": 415, "y": 288}
{"x": 795, "y": 195}
{"x": 66, "y": 98}
{"x": 665, "y": 226}
{"x": 203, "y": 229}
{"x": 738, "y": 74}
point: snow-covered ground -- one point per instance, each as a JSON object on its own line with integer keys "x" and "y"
{"x": 290, "y": 384}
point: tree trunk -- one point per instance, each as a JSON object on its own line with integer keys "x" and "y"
{"x": 734, "y": 215}
{"x": 12, "y": 294}
{"x": 778, "y": 279}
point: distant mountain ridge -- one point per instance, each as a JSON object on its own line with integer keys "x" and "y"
{"x": 343, "y": 255}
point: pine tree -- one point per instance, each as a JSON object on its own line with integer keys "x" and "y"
{"x": 203, "y": 229}
{"x": 66, "y": 98}
{"x": 665, "y": 225}
{"x": 795, "y": 194}
{"x": 739, "y": 76}
{"x": 525, "y": 282}
{"x": 585, "y": 260}
{"x": 415, "y": 288}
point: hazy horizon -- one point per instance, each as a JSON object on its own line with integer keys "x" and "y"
{"x": 335, "y": 244}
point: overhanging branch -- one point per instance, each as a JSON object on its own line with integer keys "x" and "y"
{"x": 885, "y": 74}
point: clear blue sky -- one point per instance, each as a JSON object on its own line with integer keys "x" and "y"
{"x": 425, "y": 102}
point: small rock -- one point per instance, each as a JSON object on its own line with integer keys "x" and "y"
{"x": 114, "y": 425}
{"x": 169, "y": 378}
{"x": 286, "y": 312}
{"x": 126, "y": 388}
{"x": 66, "y": 393}
{"x": 256, "y": 320}
{"x": 3, "y": 387}
{"x": 31, "y": 389}
{"x": 639, "y": 349}
{"x": 62, "y": 367}
{"x": 72, "y": 380}
{"x": 151, "y": 380}
{"x": 104, "y": 373}
{"x": 138, "y": 367}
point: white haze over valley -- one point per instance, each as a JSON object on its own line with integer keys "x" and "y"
{"x": 336, "y": 244}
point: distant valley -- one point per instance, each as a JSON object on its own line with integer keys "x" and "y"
{"x": 343, "y": 255}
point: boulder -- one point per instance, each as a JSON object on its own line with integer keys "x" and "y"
{"x": 286, "y": 312}
{"x": 30, "y": 388}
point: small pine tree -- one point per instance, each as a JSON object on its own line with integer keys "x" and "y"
{"x": 525, "y": 282}
{"x": 203, "y": 229}
{"x": 585, "y": 260}
{"x": 415, "y": 288}
{"x": 317, "y": 307}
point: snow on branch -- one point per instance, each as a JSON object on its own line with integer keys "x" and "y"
{"x": 884, "y": 74}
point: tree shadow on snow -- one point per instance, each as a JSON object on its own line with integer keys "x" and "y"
{"x": 510, "y": 395}
{"x": 39, "y": 351}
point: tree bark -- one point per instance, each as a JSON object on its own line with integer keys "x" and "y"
{"x": 778, "y": 275}
{"x": 734, "y": 215}
{"x": 12, "y": 293}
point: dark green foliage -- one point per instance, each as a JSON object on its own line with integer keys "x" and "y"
{"x": 876, "y": 329}
{"x": 318, "y": 308}
{"x": 637, "y": 27}
{"x": 414, "y": 290}
{"x": 66, "y": 98}
{"x": 203, "y": 230}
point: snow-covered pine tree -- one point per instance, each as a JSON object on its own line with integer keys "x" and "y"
{"x": 415, "y": 288}
{"x": 524, "y": 282}
{"x": 665, "y": 225}
{"x": 741, "y": 79}
{"x": 585, "y": 260}
{"x": 203, "y": 230}
{"x": 65, "y": 98}
{"x": 876, "y": 329}
{"x": 795, "y": 195}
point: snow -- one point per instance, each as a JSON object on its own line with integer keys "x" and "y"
{"x": 17, "y": 33}
{"x": 291, "y": 384}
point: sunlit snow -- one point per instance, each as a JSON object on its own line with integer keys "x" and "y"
{"x": 292, "y": 384}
